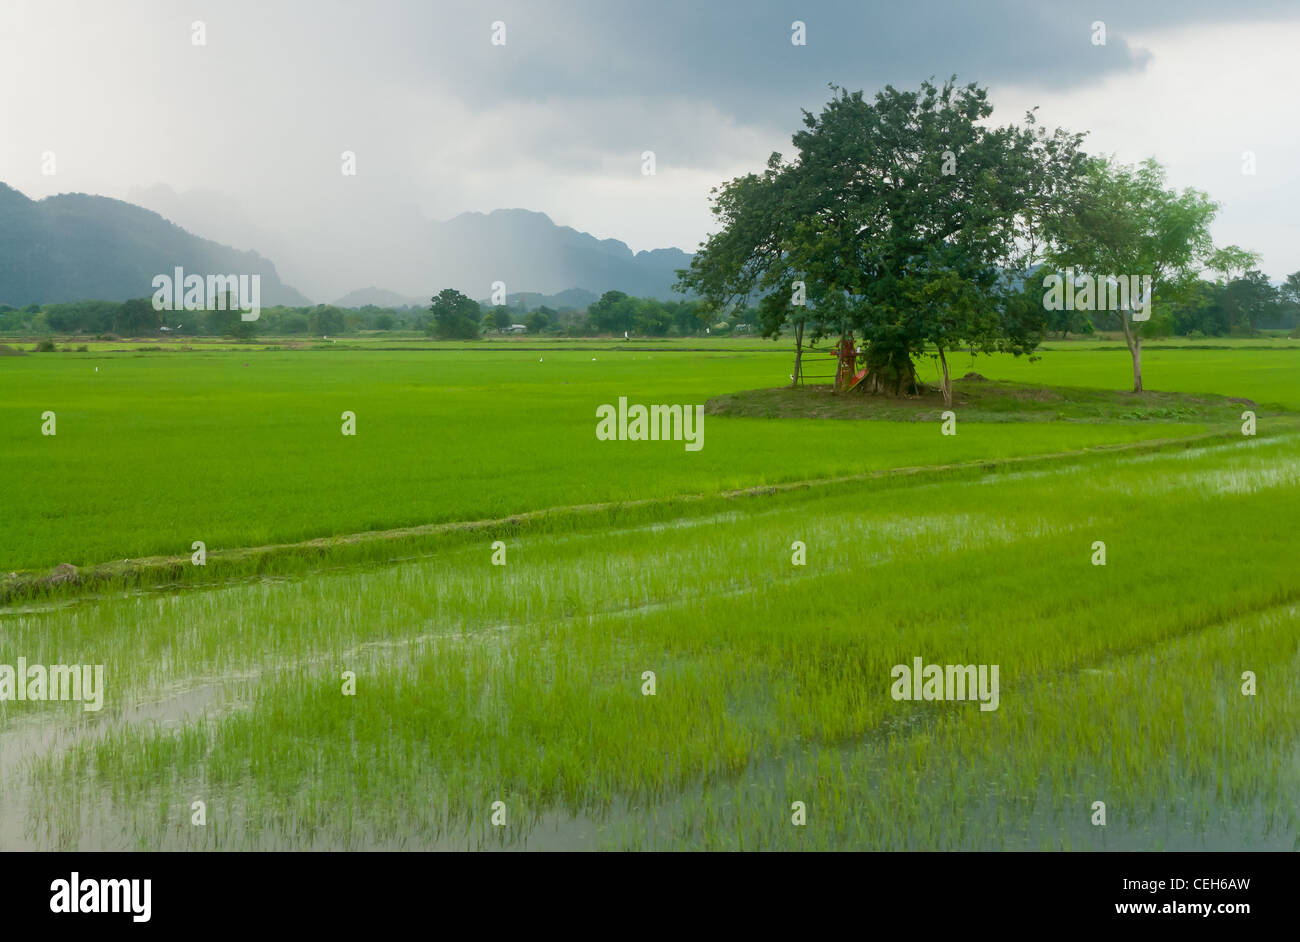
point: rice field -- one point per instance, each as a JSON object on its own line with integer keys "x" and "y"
{"x": 153, "y": 451}
{"x": 673, "y": 665}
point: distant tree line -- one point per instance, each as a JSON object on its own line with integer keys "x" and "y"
{"x": 451, "y": 315}
{"x": 137, "y": 318}
{"x": 1240, "y": 306}
{"x": 1244, "y": 306}
{"x": 454, "y": 316}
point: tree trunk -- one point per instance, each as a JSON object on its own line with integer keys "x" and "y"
{"x": 1134, "y": 347}
{"x": 1137, "y": 364}
{"x": 798, "y": 355}
{"x": 947, "y": 380}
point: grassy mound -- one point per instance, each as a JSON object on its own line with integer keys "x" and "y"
{"x": 980, "y": 400}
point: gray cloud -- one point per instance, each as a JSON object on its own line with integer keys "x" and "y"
{"x": 442, "y": 121}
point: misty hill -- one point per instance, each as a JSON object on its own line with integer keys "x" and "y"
{"x": 531, "y": 253}
{"x": 379, "y": 298}
{"x": 577, "y": 298}
{"x": 363, "y": 237}
{"x": 573, "y": 297}
{"x": 74, "y": 246}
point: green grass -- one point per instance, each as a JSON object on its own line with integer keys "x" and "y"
{"x": 979, "y": 400}
{"x": 522, "y": 683}
{"x": 1266, "y": 372}
{"x": 155, "y": 451}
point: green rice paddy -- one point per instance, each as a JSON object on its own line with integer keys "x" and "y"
{"x": 525, "y": 684}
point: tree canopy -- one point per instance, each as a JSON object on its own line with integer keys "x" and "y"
{"x": 1123, "y": 221}
{"x": 905, "y": 218}
{"x": 455, "y": 316}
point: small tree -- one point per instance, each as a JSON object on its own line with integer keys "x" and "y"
{"x": 1123, "y": 221}
{"x": 537, "y": 322}
{"x": 137, "y": 317}
{"x": 652, "y": 318}
{"x": 325, "y": 320}
{"x": 1251, "y": 302}
{"x": 1290, "y": 290}
{"x": 224, "y": 319}
{"x": 689, "y": 317}
{"x": 294, "y": 323}
{"x": 1289, "y": 297}
{"x": 615, "y": 312}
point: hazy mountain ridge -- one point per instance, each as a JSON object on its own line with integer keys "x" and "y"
{"x": 360, "y": 240}
{"x": 75, "y": 246}
{"x": 379, "y": 297}
{"x": 575, "y": 298}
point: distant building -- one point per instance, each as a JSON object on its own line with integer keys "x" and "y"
{"x": 516, "y": 328}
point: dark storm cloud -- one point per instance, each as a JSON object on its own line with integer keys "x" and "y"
{"x": 248, "y": 130}
{"x": 738, "y": 56}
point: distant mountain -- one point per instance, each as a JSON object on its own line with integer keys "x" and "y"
{"x": 74, "y": 246}
{"x": 529, "y": 252}
{"x": 577, "y": 298}
{"x": 379, "y": 298}
{"x": 573, "y": 297}
{"x": 363, "y": 238}
{"x": 213, "y": 215}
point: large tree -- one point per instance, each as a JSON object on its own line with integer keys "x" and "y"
{"x": 749, "y": 255}
{"x": 455, "y": 316}
{"x": 906, "y": 218}
{"x": 1123, "y": 221}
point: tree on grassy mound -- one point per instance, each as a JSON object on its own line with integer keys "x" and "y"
{"x": 905, "y": 219}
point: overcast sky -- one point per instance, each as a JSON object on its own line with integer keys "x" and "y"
{"x": 443, "y": 121}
